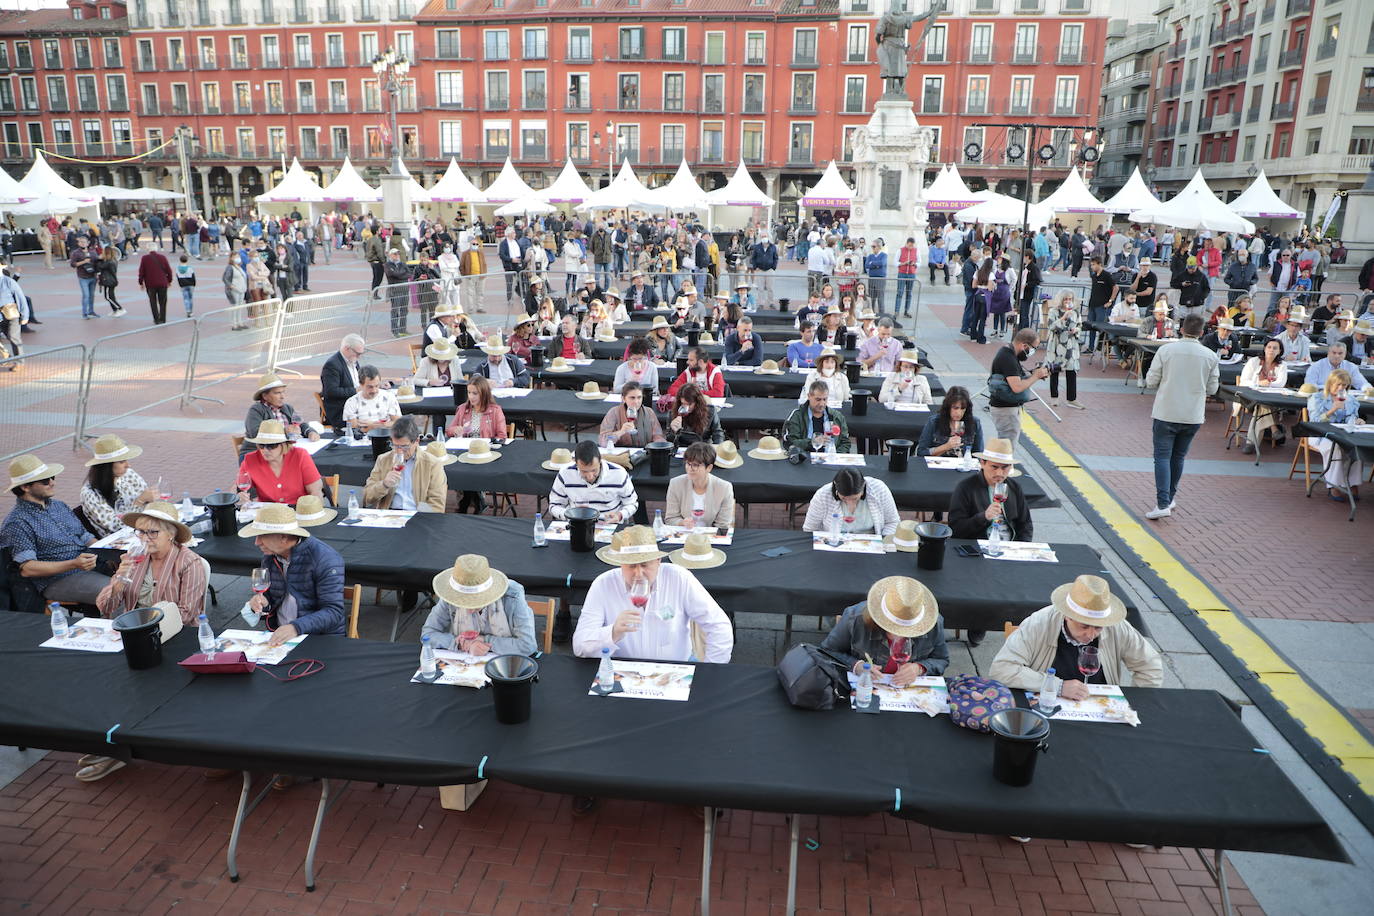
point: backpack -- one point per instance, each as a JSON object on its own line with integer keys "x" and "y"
{"x": 812, "y": 677}
{"x": 998, "y": 387}
{"x": 973, "y": 700}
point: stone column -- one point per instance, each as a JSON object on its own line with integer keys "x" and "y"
{"x": 770, "y": 187}
{"x": 234, "y": 172}
{"x": 204, "y": 172}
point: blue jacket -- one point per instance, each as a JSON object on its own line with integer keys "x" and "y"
{"x": 968, "y": 272}
{"x": 315, "y": 576}
{"x": 875, "y": 265}
{"x": 764, "y": 256}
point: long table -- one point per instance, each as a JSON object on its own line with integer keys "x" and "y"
{"x": 769, "y": 332}
{"x": 1188, "y": 775}
{"x": 1350, "y": 443}
{"x": 519, "y": 470}
{"x": 974, "y": 593}
{"x": 615, "y": 349}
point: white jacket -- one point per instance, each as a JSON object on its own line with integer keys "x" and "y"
{"x": 1027, "y": 653}
{"x": 1185, "y": 374}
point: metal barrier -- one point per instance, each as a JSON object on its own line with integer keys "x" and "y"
{"x": 40, "y": 402}
{"x": 230, "y": 343}
{"x": 309, "y": 327}
{"x": 145, "y": 367}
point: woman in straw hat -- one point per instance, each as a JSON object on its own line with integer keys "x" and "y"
{"x": 522, "y": 338}
{"x": 829, "y": 370}
{"x": 112, "y": 487}
{"x": 663, "y": 344}
{"x": 1081, "y": 613}
{"x": 698, "y": 497}
{"x": 1339, "y": 328}
{"x": 269, "y": 403}
{"x": 660, "y": 632}
{"x": 277, "y": 472}
{"x": 898, "y": 628}
{"x": 906, "y": 385}
{"x": 479, "y": 611}
{"x": 168, "y": 572}
{"x": 435, "y": 369}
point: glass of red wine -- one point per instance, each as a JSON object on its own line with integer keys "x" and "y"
{"x": 639, "y": 596}
{"x": 697, "y": 516}
{"x": 900, "y": 650}
{"x": 999, "y": 492}
{"x": 1088, "y": 662}
{"x": 244, "y": 482}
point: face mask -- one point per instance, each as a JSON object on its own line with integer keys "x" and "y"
{"x": 827, "y": 372}
{"x": 1027, "y": 355}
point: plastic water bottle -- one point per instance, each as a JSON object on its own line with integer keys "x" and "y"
{"x": 1048, "y": 690}
{"x": 352, "y": 505}
{"x": 540, "y": 538}
{"x": 863, "y": 694}
{"x": 59, "y": 620}
{"x": 428, "y": 665}
{"x": 996, "y": 535}
{"x": 832, "y": 531}
{"x": 658, "y": 525}
{"x": 605, "y": 672}
{"x": 187, "y": 508}
{"x": 967, "y": 461}
{"x": 830, "y": 447}
{"x": 206, "y": 636}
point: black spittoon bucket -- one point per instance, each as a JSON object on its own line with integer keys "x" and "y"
{"x": 582, "y": 529}
{"x": 222, "y": 514}
{"x": 861, "y": 396}
{"x": 381, "y": 442}
{"x": 141, "y": 630}
{"x": 930, "y": 552}
{"x": 851, "y": 370}
{"x": 851, "y": 340}
{"x": 660, "y": 458}
{"x": 693, "y": 337}
{"x": 512, "y": 683}
{"x": 682, "y": 364}
{"x": 1019, "y": 735}
{"x": 536, "y": 357}
{"x": 898, "y": 453}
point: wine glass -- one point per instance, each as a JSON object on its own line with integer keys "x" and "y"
{"x": 243, "y": 483}
{"x": 697, "y": 516}
{"x": 1088, "y": 662}
{"x": 999, "y": 492}
{"x": 639, "y": 595}
{"x": 162, "y": 492}
{"x": 899, "y": 650}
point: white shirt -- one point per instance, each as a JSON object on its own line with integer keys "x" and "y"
{"x": 501, "y": 375}
{"x": 677, "y": 591}
{"x": 378, "y": 410}
{"x": 820, "y": 259}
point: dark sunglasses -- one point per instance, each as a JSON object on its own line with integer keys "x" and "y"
{"x": 265, "y": 446}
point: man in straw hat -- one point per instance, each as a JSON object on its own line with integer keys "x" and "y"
{"x": 406, "y": 477}
{"x": 640, "y": 296}
{"x": 1335, "y": 359}
{"x": 659, "y": 632}
{"x": 814, "y": 424}
{"x": 898, "y": 628}
{"x": 269, "y": 403}
{"x": 1223, "y": 341}
{"x": 502, "y": 367}
{"x": 45, "y": 538}
{"x": 1297, "y": 346}
{"x": 305, "y": 577}
{"x": 479, "y": 610}
{"x": 1081, "y": 613}
{"x": 601, "y": 485}
{"x": 1358, "y": 346}
{"x": 1185, "y": 374}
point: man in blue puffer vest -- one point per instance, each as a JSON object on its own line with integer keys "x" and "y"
{"x": 305, "y": 576}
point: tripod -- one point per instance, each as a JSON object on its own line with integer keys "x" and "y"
{"x": 1036, "y": 394}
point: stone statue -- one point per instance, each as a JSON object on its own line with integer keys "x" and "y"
{"x": 892, "y": 46}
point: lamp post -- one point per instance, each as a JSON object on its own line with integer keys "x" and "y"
{"x": 391, "y": 69}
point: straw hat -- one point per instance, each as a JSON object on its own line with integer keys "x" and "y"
{"x": 1161, "y": 307}
{"x": 605, "y": 334}
{"x": 494, "y": 347}
{"x": 442, "y": 351}
{"x": 614, "y": 293}
{"x": 560, "y": 459}
{"x": 728, "y": 456}
{"x": 1363, "y": 326}
{"x": 698, "y": 553}
{"x": 1089, "y": 600}
{"x": 998, "y": 450}
{"x": 268, "y": 382}
{"x": 635, "y": 544}
{"x": 440, "y": 454}
{"x": 479, "y": 452}
{"x": 910, "y": 355}
{"x": 770, "y": 449}
{"x": 769, "y": 367}
{"x": 637, "y": 273}
{"x": 163, "y": 512}
{"x": 905, "y": 537}
{"x": 1307, "y": 388}
{"x": 722, "y": 295}
{"x": 311, "y": 512}
{"x": 834, "y": 310}
{"x": 828, "y": 353}
{"x": 559, "y": 364}
{"x": 274, "y": 518}
{"x": 868, "y": 316}
{"x": 523, "y": 320}
{"x": 591, "y": 391}
{"x": 901, "y": 606}
{"x": 28, "y": 468}
{"x": 111, "y": 448}
{"x": 471, "y": 583}
{"x": 744, "y": 284}
{"x": 659, "y": 322}
{"x": 1225, "y": 326}
{"x": 681, "y": 303}
{"x": 405, "y": 393}
{"x": 269, "y": 432}
{"x": 448, "y": 311}
{"x": 1297, "y": 316}
{"x": 706, "y": 338}
{"x": 1344, "y": 315}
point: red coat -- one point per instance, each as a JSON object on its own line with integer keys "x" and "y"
{"x": 715, "y": 382}
{"x": 154, "y": 271}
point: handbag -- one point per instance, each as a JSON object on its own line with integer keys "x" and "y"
{"x": 9, "y": 311}
{"x": 813, "y": 677}
{"x": 222, "y": 663}
{"x": 973, "y": 700}
{"x": 998, "y": 387}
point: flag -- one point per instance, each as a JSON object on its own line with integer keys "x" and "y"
{"x": 1331, "y": 212}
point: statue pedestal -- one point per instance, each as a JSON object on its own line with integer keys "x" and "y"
{"x": 890, "y": 156}
{"x": 396, "y": 203}
{"x": 1357, "y": 232}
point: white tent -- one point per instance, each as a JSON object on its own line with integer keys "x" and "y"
{"x": 948, "y": 191}
{"x": 622, "y": 193}
{"x": 348, "y": 185}
{"x": 1073, "y": 196}
{"x": 52, "y": 204}
{"x": 419, "y": 194}
{"x": 680, "y": 194}
{"x": 454, "y": 187}
{"x": 296, "y": 186}
{"x": 567, "y": 188}
{"x": 1002, "y": 210}
{"x": 739, "y": 191}
{"x": 508, "y": 186}
{"x": 526, "y": 206}
{"x": 110, "y": 192}
{"x": 11, "y": 191}
{"x": 1260, "y": 202}
{"x": 1195, "y": 207}
{"x": 42, "y": 183}
{"x": 829, "y": 191}
{"x": 1133, "y": 196}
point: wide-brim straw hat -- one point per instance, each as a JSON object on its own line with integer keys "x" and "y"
{"x": 1225, "y": 326}
{"x": 523, "y": 320}
{"x": 905, "y": 537}
{"x": 439, "y": 453}
{"x": 769, "y": 449}
{"x": 834, "y": 310}
{"x": 494, "y": 347}
{"x": 162, "y": 512}
{"x": 614, "y": 293}
{"x": 28, "y": 468}
{"x": 448, "y": 311}
{"x": 659, "y": 322}
{"x": 728, "y": 456}
{"x": 442, "y": 351}
{"x": 828, "y": 353}
{"x": 479, "y": 452}
{"x": 722, "y": 295}
{"x": 911, "y": 355}
{"x": 1344, "y": 315}
{"x": 560, "y": 459}
{"x": 697, "y": 553}
{"x": 1089, "y": 600}
{"x": 591, "y": 391}
{"x": 605, "y": 334}
{"x": 743, "y": 285}
{"x": 405, "y": 394}
{"x": 559, "y": 364}
{"x": 631, "y": 545}
{"x": 274, "y": 518}
{"x": 681, "y": 303}
{"x": 111, "y": 448}
{"x": 471, "y": 582}
{"x": 1297, "y": 316}
{"x": 268, "y": 382}
{"x": 706, "y": 338}
{"x": 311, "y": 512}
{"x": 769, "y": 367}
{"x": 998, "y": 450}
{"x": 1363, "y": 327}
{"x": 269, "y": 433}
{"x": 901, "y": 606}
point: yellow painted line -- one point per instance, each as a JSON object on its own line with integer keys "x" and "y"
{"x": 1319, "y": 717}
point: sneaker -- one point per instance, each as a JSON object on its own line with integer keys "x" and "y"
{"x": 584, "y": 805}
{"x": 1021, "y": 839}
{"x": 1159, "y": 513}
{"x": 1172, "y": 504}
{"x": 1075, "y": 405}
{"x": 1248, "y": 448}
{"x": 102, "y": 767}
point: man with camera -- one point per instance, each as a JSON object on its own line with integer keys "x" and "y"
{"x": 1009, "y": 385}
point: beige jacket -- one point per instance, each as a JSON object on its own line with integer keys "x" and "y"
{"x": 428, "y": 482}
{"x": 1023, "y": 658}
{"x": 719, "y": 503}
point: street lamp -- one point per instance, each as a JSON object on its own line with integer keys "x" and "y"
{"x": 393, "y": 67}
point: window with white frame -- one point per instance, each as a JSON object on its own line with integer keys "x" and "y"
{"x": 449, "y": 85}
{"x": 856, "y": 47}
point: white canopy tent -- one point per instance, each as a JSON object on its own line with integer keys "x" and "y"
{"x": 1073, "y": 196}
{"x": 110, "y": 192}
{"x": 508, "y": 186}
{"x": 419, "y": 194}
{"x": 948, "y": 191}
{"x": 1260, "y": 202}
{"x": 567, "y": 188}
{"x": 1195, "y": 207}
{"x": 42, "y": 181}
{"x": 11, "y": 191}
{"x": 680, "y": 194}
{"x": 296, "y": 186}
{"x": 829, "y": 191}
{"x": 1003, "y": 210}
{"x": 622, "y": 193}
{"x": 526, "y": 206}
{"x": 454, "y": 187}
{"x": 1133, "y": 196}
{"x": 349, "y": 186}
{"x": 740, "y": 191}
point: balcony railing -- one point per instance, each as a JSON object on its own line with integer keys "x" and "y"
{"x": 975, "y": 106}
{"x": 149, "y": 108}
{"x": 799, "y": 157}
{"x": 1326, "y": 49}
{"x": 1267, "y": 14}
{"x": 496, "y": 102}
{"x": 802, "y": 107}
{"x": 1291, "y": 58}
{"x": 1282, "y": 111}
{"x": 1317, "y": 105}
{"x": 1252, "y": 115}
{"x": 1176, "y": 50}
{"x": 577, "y": 103}
{"x": 239, "y": 62}
{"x": 1026, "y": 55}
{"x": 803, "y": 60}
{"x": 1069, "y": 56}
{"x": 1297, "y": 8}
{"x": 1364, "y": 101}
{"x": 335, "y": 60}
{"x": 87, "y": 103}
{"x": 118, "y": 103}
{"x": 1166, "y": 131}
{"x": 1171, "y": 91}
{"x": 58, "y": 103}
{"x": 534, "y": 153}
{"x": 233, "y": 17}
{"x": 303, "y": 61}
{"x": 981, "y": 56}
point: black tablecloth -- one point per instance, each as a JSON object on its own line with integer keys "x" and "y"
{"x": 973, "y": 592}
{"x": 762, "y": 319}
{"x": 1361, "y": 443}
{"x": 1230, "y": 374}
{"x": 518, "y": 470}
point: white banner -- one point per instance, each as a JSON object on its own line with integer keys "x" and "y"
{"x": 1331, "y": 212}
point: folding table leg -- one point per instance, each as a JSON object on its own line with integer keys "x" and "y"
{"x": 325, "y": 804}
{"x": 1220, "y": 863}
{"x": 245, "y": 809}
{"x": 708, "y": 835}
{"x": 792, "y": 867}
